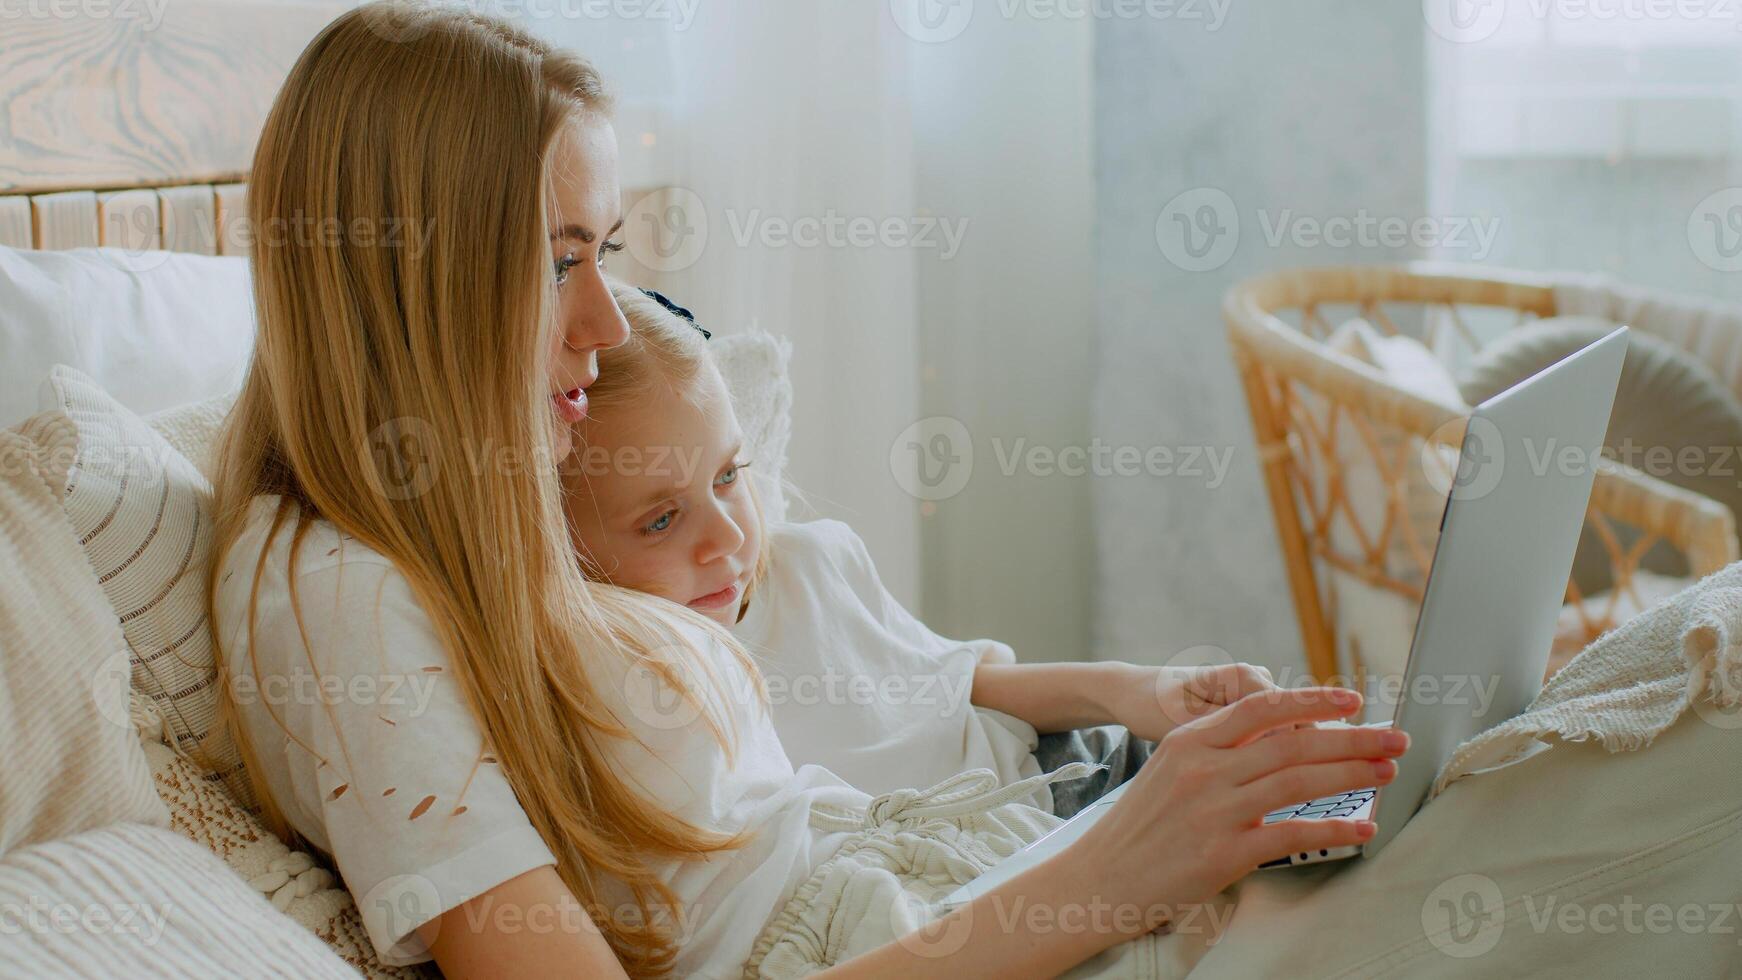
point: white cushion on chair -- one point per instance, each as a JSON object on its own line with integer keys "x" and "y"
{"x": 1374, "y": 625}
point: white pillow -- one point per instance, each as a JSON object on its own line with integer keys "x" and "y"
{"x": 141, "y": 512}
{"x": 147, "y": 902}
{"x": 155, "y": 329}
{"x": 754, "y": 367}
{"x": 73, "y": 762}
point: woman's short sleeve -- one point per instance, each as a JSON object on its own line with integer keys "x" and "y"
{"x": 379, "y": 761}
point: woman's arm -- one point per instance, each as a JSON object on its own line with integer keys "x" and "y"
{"x": 529, "y": 926}
{"x": 1190, "y": 825}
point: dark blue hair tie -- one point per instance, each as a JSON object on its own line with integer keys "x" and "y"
{"x": 676, "y": 310}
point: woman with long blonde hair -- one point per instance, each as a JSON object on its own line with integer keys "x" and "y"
{"x": 517, "y": 771}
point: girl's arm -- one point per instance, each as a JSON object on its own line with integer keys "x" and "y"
{"x": 1056, "y": 697}
{"x": 1151, "y": 701}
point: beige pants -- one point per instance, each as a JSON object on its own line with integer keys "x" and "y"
{"x": 1576, "y": 862}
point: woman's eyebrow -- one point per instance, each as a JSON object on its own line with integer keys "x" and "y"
{"x": 583, "y": 235}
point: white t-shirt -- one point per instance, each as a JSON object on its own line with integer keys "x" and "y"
{"x": 418, "y": 818}
{"x": 861, "y": 687}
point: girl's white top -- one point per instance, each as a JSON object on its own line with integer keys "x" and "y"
{"x": 413, "y": 807}
{"x": 862, "y": 688}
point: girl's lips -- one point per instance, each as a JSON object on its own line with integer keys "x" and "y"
{"x": 571, "y": 405}
{"x": 716, "y": 600}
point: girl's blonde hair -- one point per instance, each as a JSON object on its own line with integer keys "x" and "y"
{"x": 391, "y": 353}
{"x": 665, "y": 350}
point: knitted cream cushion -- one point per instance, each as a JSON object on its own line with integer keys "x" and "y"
{"x": 298, "y": 884}
{"x": 72, "y": 760}
{"x": 1666, "y": 404}
{"x": 139, "y": 510}
{"x": 132, "y": 900}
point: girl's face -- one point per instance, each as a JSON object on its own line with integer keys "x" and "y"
{"x": 584, "y": 213}
{"x": 659, "y": 498}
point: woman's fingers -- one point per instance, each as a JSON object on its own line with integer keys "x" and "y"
{"x": 1309, "y": 746}
{"x": 1262, "y": 711}
{"x": 1298, "y": 784}
{"x": 1263, "y": 844}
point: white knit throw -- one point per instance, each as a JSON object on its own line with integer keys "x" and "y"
{"x": 1632, "y": 683}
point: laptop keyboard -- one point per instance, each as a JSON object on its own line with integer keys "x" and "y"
{"x": 1325, "y": 807}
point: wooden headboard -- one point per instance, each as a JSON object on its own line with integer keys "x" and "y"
{"x": 133, "y": 127}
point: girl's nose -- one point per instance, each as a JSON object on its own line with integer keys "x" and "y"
{"x": 721, "y": 538}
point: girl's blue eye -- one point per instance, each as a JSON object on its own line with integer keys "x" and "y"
{"x": 563, "y": 265}
{"x": 661, "y": 524}
{"x": 729, "y": 477}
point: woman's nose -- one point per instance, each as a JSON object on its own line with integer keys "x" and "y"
{"x": 590, "y": 317}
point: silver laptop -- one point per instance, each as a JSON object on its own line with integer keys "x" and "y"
{"x": 1507, "y": 537}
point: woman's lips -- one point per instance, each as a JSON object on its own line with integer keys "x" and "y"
{"x": 716, "y": 600}
{"x": 571, "y": 405}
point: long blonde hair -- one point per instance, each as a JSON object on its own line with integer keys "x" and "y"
{"x": 441, "y": 124}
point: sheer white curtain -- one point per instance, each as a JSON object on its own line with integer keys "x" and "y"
{"x": 794, "y": 120}
{"x": 753, "y": 135}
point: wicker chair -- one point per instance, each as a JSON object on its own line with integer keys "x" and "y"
{"x": 1306, "y": 400}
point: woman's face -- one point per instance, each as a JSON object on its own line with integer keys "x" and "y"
{"x": 585, "y": 214}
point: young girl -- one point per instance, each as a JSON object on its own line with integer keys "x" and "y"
{"x": 659, "y": 501}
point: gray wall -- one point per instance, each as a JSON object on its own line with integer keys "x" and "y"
{"x": 1002, "y": 118}
{"x": 1294, "y": 111}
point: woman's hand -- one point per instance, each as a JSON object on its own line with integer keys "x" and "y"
{"x": 1153, "y": 701}
{"x": 1192, "y": 821}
